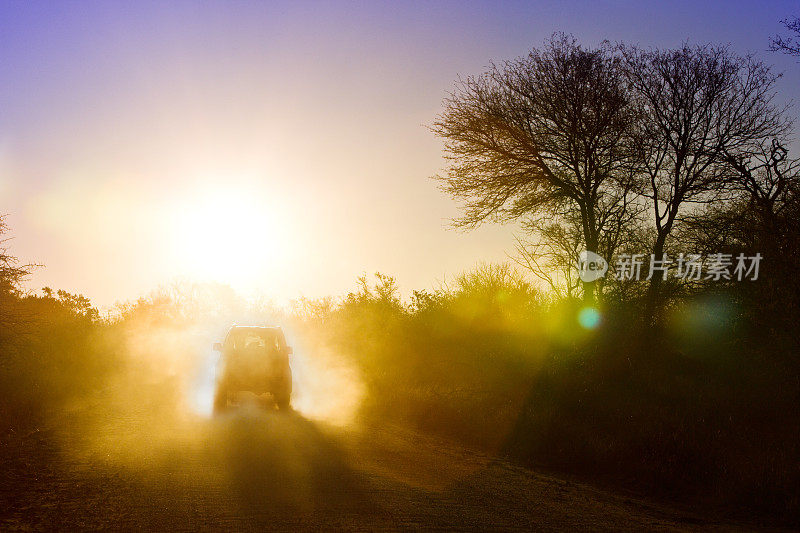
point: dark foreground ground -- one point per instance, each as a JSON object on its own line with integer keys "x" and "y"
{"x": 253, "y": 469}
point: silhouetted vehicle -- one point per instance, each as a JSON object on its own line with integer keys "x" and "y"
{"x": 254, "y": 359}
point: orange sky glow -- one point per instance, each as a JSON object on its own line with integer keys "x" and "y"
{"x": 280, "y": 149}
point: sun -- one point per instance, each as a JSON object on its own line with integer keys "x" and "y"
{"x": 228, "y": 234}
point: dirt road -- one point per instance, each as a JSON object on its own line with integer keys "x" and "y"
{"x": 254, "y": 470}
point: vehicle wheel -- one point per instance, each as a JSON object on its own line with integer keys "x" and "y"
{"x": 283, "y": 394}
{"x": 282, "y": 400}
{"x": 220, "y": 400}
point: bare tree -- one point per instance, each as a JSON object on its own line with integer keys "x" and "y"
{"x": 788, "y": 45}
{"x": 12, "y": 274}
{"x": 766, "y": 175}
{"x": 698, "y": 106}
{"x": 762, "y": 218}
{"x": 553, "y": 255}
{"x": 539, "y": 135}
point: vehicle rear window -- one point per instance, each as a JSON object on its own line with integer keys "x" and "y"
{"x": 250, "y": 339}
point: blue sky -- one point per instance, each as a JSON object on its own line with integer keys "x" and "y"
{"x": 116, "y": 118}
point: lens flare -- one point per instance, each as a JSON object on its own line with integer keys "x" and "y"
{"x": 589, "y": 318}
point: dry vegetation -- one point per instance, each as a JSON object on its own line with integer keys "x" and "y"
{"x": 703, "y": 413}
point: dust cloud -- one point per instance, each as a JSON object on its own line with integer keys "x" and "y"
{"x": 156, "y": 402}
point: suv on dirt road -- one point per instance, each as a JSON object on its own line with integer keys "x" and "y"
{"x": 254, "y": 359}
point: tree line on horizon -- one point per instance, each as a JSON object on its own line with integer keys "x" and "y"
{"x": 620, "y": 150}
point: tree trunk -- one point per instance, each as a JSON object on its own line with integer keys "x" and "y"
{"x": 588, "y": 292}
{"x": 592, "y": 239}
{"x": 653, "y": 289}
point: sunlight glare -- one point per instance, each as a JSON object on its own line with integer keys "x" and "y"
{"x": 231, "y": 235}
